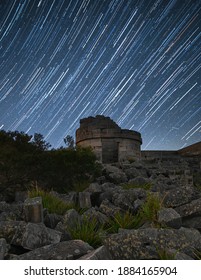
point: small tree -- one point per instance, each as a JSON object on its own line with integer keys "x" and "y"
{"x": 69, "y": 141}
{"x": 40, "y": 143}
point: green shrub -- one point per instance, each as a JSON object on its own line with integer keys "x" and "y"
{"x": 51, "y": 202}
{"x": 23, "y": 159}
{"x": 123, "y": 220}
{"x": 150, "y": 208}
{"x": 89, "y": 231}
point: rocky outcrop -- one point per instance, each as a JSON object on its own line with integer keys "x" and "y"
{"x": 149, "y": 243}
{"x": 27, "y": 231}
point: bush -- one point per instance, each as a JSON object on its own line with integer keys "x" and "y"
{"x": 89, "y": 231}
{"x": 150, "y": 208}
{"x": 64, "y": 169}
{"x": 123, "y": 220}
{"x": 24, "y": 158}
{"x": 51, "y": 202}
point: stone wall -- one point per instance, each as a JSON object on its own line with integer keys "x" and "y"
{"x": 159, "y": 154}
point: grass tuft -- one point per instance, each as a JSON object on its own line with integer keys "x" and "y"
{"x": 89, "y": 231}
{"x": 123, "y": 220}
{"x": 51, "y": 202}
{"x": 164, "y": 254}
{"x": 197, "y": 254}
{"x": 150, "y": 208}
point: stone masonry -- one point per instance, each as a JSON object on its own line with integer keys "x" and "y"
{"x": 109, "y": 142}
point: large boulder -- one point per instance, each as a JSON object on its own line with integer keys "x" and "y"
{"x": 94, "y": 188}
{"x": 31, "y": 236}
{"x": 125, "y": 199}
{"x": 65, "y": 234}
{"x": 101, "y": 192}
{"x": 132, "y": 172}
{"x": 11, "y": 212}
{"x": 93, "y": 214}
{"x": 117, "y": 178}
{"x": 169, "y": 217}
{"x": 71, "y": 218}
{"x": 109, "y": 209}
{"x": 179, "y": 196}
{"x": 190, "y": 209}
{"x": 192, "y": 222}
{"x": 114, "y": 174}
{"x": 51, "y": 220}
{"x": 146, "y": 244}
{"x": 66, "y": 250}
{"x": 9, "y": 228}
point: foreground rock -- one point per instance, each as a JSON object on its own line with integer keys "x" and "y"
{"x": 9, "y": 228}
{"x": 27, "y": 231}
{"x": 169, "y": 217}
{"x": 31, "y": 236}
{"x": 99, "y": 254}
{"x": 149, "y": 243}
{"x": 191, "y": 209}
{"x": 67, "y": 250}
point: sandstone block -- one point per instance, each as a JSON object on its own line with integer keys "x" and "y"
{"x": 33, "y": 210}
{"x": 84, "y": 199}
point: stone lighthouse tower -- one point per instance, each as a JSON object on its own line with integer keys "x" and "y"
{"x": 109, "y": 142}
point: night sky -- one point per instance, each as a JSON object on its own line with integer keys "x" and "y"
{"x": 137, "y": 61}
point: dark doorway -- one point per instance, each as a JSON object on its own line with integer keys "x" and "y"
{"x": 110, "y": 150}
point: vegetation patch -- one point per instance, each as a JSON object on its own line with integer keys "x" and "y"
{"x": 25, "y": 158}
{"x": 51, "y": 202}
{"x": 150, "y": 208}
{"x": 197, "y": 254}
{"x": 88, "y": 230}
{"x": 165, "y": 254}
{"x": 123, "y": 220}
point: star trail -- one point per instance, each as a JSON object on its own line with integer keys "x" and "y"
{"x": 137, "y": 61}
